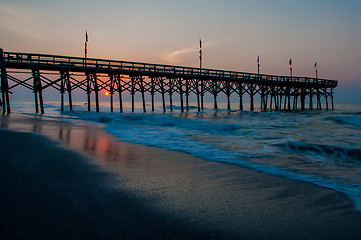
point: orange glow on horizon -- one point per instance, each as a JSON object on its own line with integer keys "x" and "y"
{"x": 106, "y": 93}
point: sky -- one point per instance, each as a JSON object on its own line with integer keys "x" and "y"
{"x": 233, "y": 33}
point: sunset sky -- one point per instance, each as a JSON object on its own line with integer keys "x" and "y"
{"x": 233, "y": 32}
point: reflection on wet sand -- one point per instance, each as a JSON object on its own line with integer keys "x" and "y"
{"x": 88, "y": 139}
{"x": 234, "y": 200}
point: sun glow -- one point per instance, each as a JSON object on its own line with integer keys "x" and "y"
{"x": 106, "y": 93}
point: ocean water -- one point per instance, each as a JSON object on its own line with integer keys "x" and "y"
{"x": 318, "y": 147}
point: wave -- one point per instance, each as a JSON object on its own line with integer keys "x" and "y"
{"x": 353, "y": 121}
{"x": 334, "y": 152}
{"x": 159, "y": 120}
{"x": 247, "y": 139}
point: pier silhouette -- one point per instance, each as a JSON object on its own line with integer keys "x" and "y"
{"x": 279, "y": 93}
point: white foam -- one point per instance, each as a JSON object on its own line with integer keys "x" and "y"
{"x": 246, "y": 139}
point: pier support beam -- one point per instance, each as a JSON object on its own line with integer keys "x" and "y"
{"x": 228, "y": 93}
{"x": 154, "y": 79}
{"x": 65, "y": 86}
{"x": 251, "y": 94}
{"x": 88, "y": 90}
{"x": 163, "y": 92}
{"x": 318, "y": 99}
{"x": 187, "y": 94}
{"x": 152, "y": 92}
{"x": 197, "y": 92}
{"x": 170, "y": 94}
{"x": 5, "y": 90}
{"x": 240, "y": 95}
{"x": 120, "y": 90}
{"x": 111, "y": 91}
{"x": 38, "y": 91}
{"x": 132, "y": 92}
{"x": 62, "y": 91}
{"x": 215, "y": 93}
{"x": 333, "y": 107}
{"x": 142, "y": 91}
{"x": 202, "y": 95}
{"x": 180, "y": 88}
{"x": 96, "y": 90}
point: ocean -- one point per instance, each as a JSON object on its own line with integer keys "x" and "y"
{"x": 317, "y": 147}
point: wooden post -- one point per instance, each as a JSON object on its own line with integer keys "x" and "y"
{"x": 62, "y": 91}
{"x": 132, "y": 93}
{"x": 280, "y": 102}
{"x": 285, "y": 102}
{"x": 68, "y": 86}
{"x": 119, "y": 81}
{"x": 181, "y": 93}
{"x": 289, "y": 100}
{"x": 197, "y": 91}
{"x": 271, "y": 101}
{"x": 5, "y": 89}
{"x": 240, "y": 92}
{"x": 4, "y": 85}
{"x": 96, "y": 90}
{"x": 3, "y": 76}
{"x": 40, "y": 92}
{"x": 111, "y": 91}
{"x": 275, "y": 98}
{"x": 187, "y": 94}
{"x": 251, "y": 99}
{"x": 318, "y": 100}
{"x": 332, "y": 99}
{"x": 142, "y": 91}
{"x": 35, "y": 87}
{"x": 170, "y": 94}
{"x": 152, "y": 92}
{"x": 228, "y": 90}
{"x": 326, "y": 99}
{"x": 88, "y": 90}
{"x": 202, "y": 94}
{"x": 215, "y": 92}
{"x": 265, "y": 102}
{"x": 303, "y": 99}
{"x": 262, "y": 98}
{"x": 163, "y": 92}
{"x": 295, "y": 101}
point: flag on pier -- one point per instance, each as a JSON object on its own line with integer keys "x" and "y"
{"x": 315, "y": 64}
{"x": 258, "y": 59}
{"x": 200, "y": 53}
{"x": 290, "y": 62}
{"x": 86, "y": 36}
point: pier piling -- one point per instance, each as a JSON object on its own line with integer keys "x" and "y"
{"x": 124, "y": 77}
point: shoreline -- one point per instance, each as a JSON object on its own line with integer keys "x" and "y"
{"x": 206, "y": 199}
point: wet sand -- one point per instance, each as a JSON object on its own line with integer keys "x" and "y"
{"x": 64, "y": 181}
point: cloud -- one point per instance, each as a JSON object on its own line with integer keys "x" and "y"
{"x": 176, "y": 56}
{"x": 22, "y": 21}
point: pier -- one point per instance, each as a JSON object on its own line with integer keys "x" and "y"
{"x": 33, "y": 71}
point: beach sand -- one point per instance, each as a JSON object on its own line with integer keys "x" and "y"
{"x": 64, "y": 181}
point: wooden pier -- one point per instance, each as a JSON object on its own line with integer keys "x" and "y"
{"x": 280, "y": 93}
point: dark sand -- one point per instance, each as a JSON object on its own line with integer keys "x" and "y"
{"x": 83, "y": 184}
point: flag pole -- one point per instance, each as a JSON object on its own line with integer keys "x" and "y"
{"x": 200, "y": 54}
{"x": 86, "y": 45}
{"x": 258, "y": 64}
{"x": 315, "y": 66}
{"x": 290, "y": 63}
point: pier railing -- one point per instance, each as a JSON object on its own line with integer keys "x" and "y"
{"x": 114, "y": 76}
{"x": 56, "y": 62}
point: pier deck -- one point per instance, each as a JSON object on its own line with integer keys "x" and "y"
{"x": 95, "y": 75}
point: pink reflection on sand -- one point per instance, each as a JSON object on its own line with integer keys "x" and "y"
{"x": 89, "y": 140}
